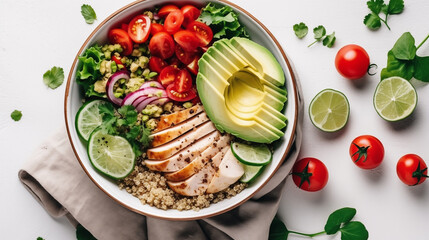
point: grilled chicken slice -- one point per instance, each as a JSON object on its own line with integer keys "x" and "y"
{"x": 169, "y": 134}
{"x": 230, "y": 170}
{"x": 175, "y": 118}
{"x": 184, "y": 157}
{"x": 198, "y": 163}
{"x": 171, "y": 148}
{"x": 199, "y": 182}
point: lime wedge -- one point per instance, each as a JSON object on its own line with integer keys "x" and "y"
{"x": 254, "y": 155}
{"x": 251, "y": 173}
{"x": 111, "y": 155}
{"x": 395, "y": 99}
{"x": 88, "y": 118}
{"x": 329, "y": 110}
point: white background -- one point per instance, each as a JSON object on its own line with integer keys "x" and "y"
{"x": 36, "y": 35}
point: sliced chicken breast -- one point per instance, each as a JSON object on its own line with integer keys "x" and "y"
{"x": 198, "y": 163}
{"x": 169, "y": 134}
{"x": 184, "y": 157}
{"x": 175, "y": 118}
{"x": 169, "y": 149}
{"x": 199, "y": 182}
{"x": 230, "y": 170}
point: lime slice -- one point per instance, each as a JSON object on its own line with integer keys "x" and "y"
{"x": 254, "y": 155}
{"x": 251, "y": 173}
{"x": 111, "y": 155}
{"x": 88, "y": 118}
{"x": 395, "y": 99}
{"x": 329, "y": 110}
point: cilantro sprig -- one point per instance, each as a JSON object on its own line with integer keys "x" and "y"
{"x": 300, "y": 30}
{"x": 373, "y": 20}
{"x": 403, "y": 61}
{"x": 124, "y": 122}
{"x": 319, "y": 32}
{"x": 339, "y": 221}
{"x": 88, "y": 13}
{"x": 54, "y": 77}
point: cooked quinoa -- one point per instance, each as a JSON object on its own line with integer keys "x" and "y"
{"x": 151, "y": 188}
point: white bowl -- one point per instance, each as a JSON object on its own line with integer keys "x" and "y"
{"x": 73, "y": 96}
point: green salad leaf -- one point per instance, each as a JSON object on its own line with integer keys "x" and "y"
{"x": 88, "y": 13}
{"x": 89, "y": 70}
{"x": 223, "y": 21}
{"x": 54, "y": 78}
{"x": 16, "y": 115}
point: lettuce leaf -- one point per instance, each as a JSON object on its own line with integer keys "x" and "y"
{"x": 223, "y": 21}
{"x": 89, "y": 70}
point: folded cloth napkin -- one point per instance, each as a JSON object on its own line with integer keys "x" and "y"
{"x": 57, "y": 181}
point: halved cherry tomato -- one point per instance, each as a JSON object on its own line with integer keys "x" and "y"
{"x": 173, "y": 21}
{"x": 121, "y": 37}
{"x": 117, "y": 60}
{"x": 193, "y": 66}
{"x": 187, "y": 40}
{"x": 156, "y": 28}
{"x": 180, "y": 97}
{"x": 139, "y": 28}
{"x": 165, "y": 10}
{"x": 310, "y": 174}
{"x": 184, "y": 56}
{"x": 190, "y": 13}
{"x": 168, "y": 75}
{"x": 366, "y": 151}
{"x": 412, "y": 169}
{"x": 183, "y": 81}
{"x": 156, "y": 64}
{"x": 202, "y": 31}
{"x": 161, "y": 45}
{"x": 124, "y": 27}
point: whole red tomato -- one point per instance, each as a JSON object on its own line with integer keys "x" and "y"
{"x": 310, "y": 174}
{"x": 411, "y": 169}
{"x": 352, "y": 61}
{"x": 366, "y": 151}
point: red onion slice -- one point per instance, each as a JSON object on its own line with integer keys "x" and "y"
{"x": 131, "y": 98}
{"x": 160, "y": 101}
{"x": 154, "y": 84}
{"x": 111, "y": 83}
{"x": 145, "y": 102}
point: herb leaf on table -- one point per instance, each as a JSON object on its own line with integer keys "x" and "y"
{"x": 300, "y": 30}
{"x": 373, "y": 19}
{"x": 54, "y": 78}
{"x": 16, "y": 115}
{"x": 88, "y": 13}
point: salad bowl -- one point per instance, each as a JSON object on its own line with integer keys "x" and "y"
{"x": 73, "y": 101}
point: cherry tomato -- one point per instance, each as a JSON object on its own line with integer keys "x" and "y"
{"x": 193, "y": 66}
{"x": 203, "y": 32}
{"x": 366, "y": 151}
{"x": 156, "y": 64}
{"x": 175, "y": 62}
{"x": 180, "y": 97}
{"x": 184, "y": 56}
{"x": 165, "y": 10}
{"x": 168, "y": 75}
{"x": 139, "y": 28}
{"x": 156, "y": 28}
{"x": 190, "y": 13}
{"x": 124, "y": 27}
{"x": 411, "y": 169}
{"x": 161, "y": 45}
{"x": 183, "y": 81}
{"x": 310, "y": 174}
{"x": 121, "y": 37}
{"x": 173, "y": 21}
{"x": 352, "y": 61}
{"x": 187, "y": 40}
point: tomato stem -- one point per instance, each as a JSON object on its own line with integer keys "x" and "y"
{"x": 419, "y": 174}
{"x": 362, "y": 151}
{"x": 371, "y": 66}
{"x": 422, "y": 42}
{"x": 304, "y": 175}
{"x": 307, "y": 234}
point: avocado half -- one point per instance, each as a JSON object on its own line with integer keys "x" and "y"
{"x": 241, "y": 86}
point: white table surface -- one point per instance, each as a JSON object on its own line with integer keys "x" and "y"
{"x": 36, "y": 35}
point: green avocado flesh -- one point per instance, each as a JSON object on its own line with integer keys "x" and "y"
{"x": 242, "y": 95}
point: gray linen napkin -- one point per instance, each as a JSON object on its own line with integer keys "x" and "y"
{"x": 57, "y": 181}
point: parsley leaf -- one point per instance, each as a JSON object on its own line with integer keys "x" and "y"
{"x": 329, "y": 40}
{"x": 373, "y": 20}
{"x": 320, "y": 35}
{"x": 88, "y": 13}
{"x": 16, "y": 115}
{"x": 319, "y": 32}
{"x": 300, "y": 30}
{"x": 54, "y": 78}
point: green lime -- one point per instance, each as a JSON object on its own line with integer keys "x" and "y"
{"x": 251, "y": 173}
{"x": 395, "y": 99}
{"x": 111, "y": 155}
{"x": 254, "y": 154}
{"x": 329, "y": 110}
{"x": 88, "y": 118}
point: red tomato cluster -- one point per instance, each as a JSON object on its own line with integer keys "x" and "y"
{"x": 175, "y": 46}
